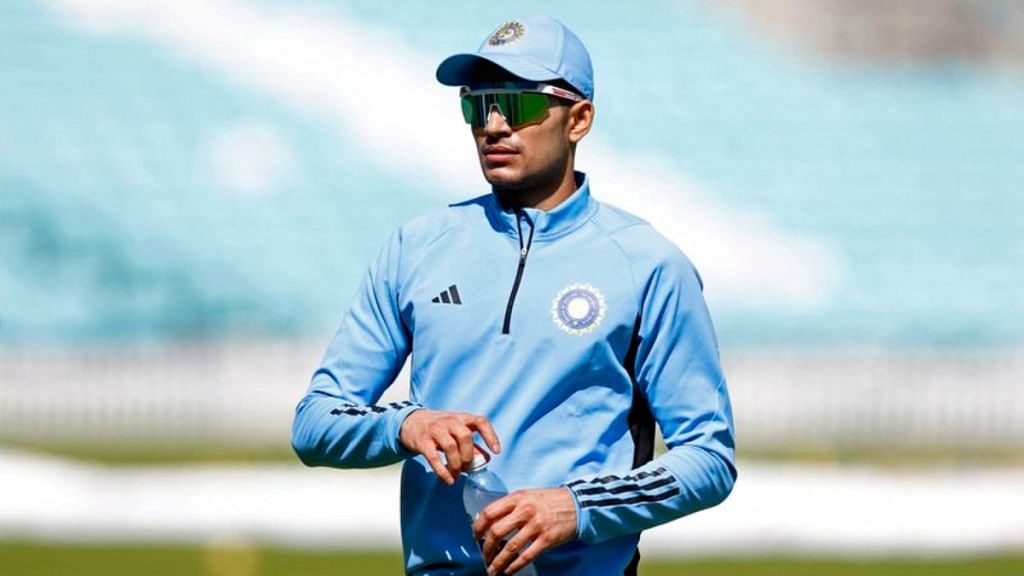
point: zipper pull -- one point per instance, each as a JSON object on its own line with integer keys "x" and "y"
{"x": 522, "y": 253}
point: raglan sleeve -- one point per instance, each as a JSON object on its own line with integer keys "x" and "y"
{"x": 677, "y": 368}
{"x": 338, "y": 422}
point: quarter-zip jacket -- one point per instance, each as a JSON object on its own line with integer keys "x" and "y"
{"x": 524, "y": 251}
{"x": 574, "y": 331}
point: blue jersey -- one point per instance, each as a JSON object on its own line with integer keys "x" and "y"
{"x": 574, "y": 331}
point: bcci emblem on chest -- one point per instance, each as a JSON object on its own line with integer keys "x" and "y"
{"x": 578, "y": 309}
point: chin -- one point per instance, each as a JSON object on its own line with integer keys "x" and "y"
{"x": 503, "y": 176}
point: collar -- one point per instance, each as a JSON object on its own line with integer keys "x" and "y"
{"x": 569, "y": 215}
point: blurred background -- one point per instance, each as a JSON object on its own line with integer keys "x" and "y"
{"x": 191, "y": 191}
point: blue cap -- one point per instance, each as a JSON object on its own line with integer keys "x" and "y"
{"x": 535, "y": 48}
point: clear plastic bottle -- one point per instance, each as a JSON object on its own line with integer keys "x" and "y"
{"x": 482, "y": 486}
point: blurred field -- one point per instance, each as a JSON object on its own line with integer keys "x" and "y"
{"x": 34, "y": 559}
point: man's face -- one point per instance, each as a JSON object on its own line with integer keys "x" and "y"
{"x": 527, "y": 155}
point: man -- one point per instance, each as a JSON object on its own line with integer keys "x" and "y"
{"x": 557, "y": 328}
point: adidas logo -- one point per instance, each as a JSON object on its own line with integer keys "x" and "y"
{"x": 449, "y": 296}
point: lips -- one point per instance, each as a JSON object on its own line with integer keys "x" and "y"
{"x": 495, "y": 154}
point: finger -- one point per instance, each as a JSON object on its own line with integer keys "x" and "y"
{"x": 447, "y": 444}
{"x": 492, "y": 513}
{"x": 464, "y": 436}
{"x": 435, "y": 462}
{"x": 533, "y": 549}
{"x": 502, "y": 530}
{"x": 511, "y": 550}
{"x": 493, "y": 540}
{"x": 491, "y": 546}
{"x": 482, "y": 425}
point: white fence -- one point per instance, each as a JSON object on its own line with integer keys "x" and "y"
{"x": 246, "y": 392}
{"x": 953, "y": 398}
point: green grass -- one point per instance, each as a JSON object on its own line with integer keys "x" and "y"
{"x": 36, "y": 559}
{"x": 990, "y": 566}
{"x": 156, "y": 453}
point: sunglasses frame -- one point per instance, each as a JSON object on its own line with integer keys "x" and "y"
{"x": 515, "y": 88}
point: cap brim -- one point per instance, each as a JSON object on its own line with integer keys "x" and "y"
{"x": 463, "y": 69}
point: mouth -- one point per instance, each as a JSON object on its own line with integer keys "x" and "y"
{"x": 498, "y": 154}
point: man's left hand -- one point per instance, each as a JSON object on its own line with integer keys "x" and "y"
{"x": 544, "y": 518}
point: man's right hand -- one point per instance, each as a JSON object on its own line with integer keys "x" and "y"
{"x": 428, "y": 432}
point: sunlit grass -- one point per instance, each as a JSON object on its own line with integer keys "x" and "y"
{"x": 236, "y": 558}
{"x": 159, "y": 452}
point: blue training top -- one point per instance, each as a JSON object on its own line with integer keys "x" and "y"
{"x": 574, "y": 331}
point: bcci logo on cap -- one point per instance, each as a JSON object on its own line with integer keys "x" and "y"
{"x": 508, "y": 32}
{"x": 578, "y": 309}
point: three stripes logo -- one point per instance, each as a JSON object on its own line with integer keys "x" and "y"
{"x": 625, "y": 490}
{"x": 449, "y": 296}
{"x": 350, "y": 409}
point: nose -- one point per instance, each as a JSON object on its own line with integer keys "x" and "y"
{"x": 496, "y": 124}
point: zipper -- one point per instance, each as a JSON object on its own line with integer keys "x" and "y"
{"x": 523, "y": 252}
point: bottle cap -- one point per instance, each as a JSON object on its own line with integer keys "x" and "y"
{"x": 480, "y": 459}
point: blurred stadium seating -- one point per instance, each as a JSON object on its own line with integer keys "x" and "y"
{"x": 176, "y": 234}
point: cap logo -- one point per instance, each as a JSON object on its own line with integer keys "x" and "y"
{"x": 508, "y": 32}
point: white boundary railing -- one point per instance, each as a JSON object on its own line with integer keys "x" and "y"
{"x": 246, "y": 392}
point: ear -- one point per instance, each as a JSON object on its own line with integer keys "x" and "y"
{"x": 581, "y": 118}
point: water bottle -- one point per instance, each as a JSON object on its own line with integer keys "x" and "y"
{"x": 482, "y": 487}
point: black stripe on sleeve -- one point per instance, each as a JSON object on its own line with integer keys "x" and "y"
{"x": 612, "y": 478}
{"x": 631, "y": 500}
{"x": 625, "y": 488}
{"x": 349, "y": 409}
{"x": 349, "y": 412}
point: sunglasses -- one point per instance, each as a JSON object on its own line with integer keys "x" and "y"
{"x": 517, "y": 104}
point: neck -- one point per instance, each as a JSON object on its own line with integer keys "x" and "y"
{"x": 544, "y": 194}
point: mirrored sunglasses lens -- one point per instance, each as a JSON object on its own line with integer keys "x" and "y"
{"x": 471, "y": 110}
{"x": 516, "y": 108}
{"x": 532, "y": 106}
